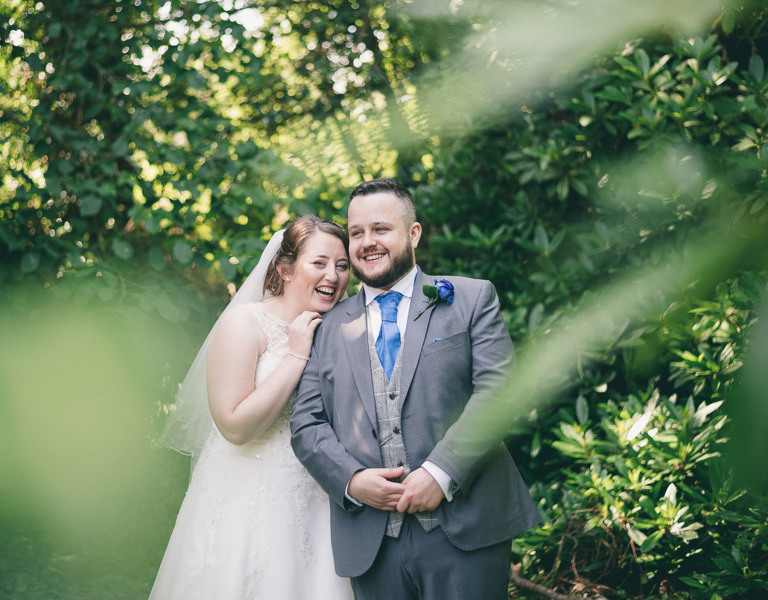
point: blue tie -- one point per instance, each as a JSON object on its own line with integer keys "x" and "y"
{"x": 388, "y": 342}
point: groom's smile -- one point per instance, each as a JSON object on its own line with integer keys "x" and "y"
{"x": 381, "y": 243}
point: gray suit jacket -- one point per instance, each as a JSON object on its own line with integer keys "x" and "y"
{"x": 454, "y": 356}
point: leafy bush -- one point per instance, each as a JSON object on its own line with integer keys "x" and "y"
{"x": 644, "y": 157}
{"x": 150, "y": 187}
{"x": 647, "y": 506}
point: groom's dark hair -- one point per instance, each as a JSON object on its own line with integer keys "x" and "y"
{"x": 392, "y": 186}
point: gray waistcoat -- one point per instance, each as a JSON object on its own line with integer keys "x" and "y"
{"x": 387, "y": 397}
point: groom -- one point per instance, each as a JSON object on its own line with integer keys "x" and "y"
{"x": 422, "y": 507}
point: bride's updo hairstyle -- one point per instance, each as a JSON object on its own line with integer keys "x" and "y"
{"x": 297, "y": 232}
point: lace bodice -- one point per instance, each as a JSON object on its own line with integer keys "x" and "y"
{"x": 276, "y": 332}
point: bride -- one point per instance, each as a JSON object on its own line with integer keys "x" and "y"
{"x": 254, "y": 524}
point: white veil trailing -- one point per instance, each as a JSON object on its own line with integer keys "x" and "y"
{"x": 190, "y": 420}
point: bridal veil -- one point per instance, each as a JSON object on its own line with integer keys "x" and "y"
{"x": 190, "y": 421}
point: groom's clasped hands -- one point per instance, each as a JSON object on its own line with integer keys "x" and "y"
{"x": 375, "y": 487}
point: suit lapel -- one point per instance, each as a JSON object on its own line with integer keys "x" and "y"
{"x": 354, "y": 335}
{"x": 415, "y": 333}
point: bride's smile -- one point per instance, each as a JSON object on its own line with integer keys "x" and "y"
{"x": 320, "y": 275}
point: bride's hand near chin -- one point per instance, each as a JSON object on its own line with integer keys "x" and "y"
{"x": 240, "y": 410}
{"x": 301, "y": 333}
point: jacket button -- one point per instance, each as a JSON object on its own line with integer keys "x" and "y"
{"x": 373, "y": 433}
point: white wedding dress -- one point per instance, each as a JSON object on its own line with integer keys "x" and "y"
{"x": 253, "y": 525}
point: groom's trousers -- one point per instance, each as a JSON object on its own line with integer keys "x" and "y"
{"x": 426, "y": 566}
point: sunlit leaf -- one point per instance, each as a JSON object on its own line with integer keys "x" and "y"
{"x": 582, "y": 410}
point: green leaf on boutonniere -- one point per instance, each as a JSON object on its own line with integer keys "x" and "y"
{"x": 442, "y": 291}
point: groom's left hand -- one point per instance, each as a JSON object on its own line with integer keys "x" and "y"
{"x": 421, "y": 492}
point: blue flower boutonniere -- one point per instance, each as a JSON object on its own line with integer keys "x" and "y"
{"x": 442, "y": 291}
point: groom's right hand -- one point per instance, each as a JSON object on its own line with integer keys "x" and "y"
{"x": 374, "y": 488}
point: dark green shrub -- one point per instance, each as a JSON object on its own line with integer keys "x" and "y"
{"x": 649, "y": 153}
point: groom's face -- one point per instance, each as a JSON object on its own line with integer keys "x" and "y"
{"x": 381, "y": 242}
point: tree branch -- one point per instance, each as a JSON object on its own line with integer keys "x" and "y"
{"x": 537, "y": 588}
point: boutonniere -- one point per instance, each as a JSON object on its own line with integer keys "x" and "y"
{"x": 442, "y": 291}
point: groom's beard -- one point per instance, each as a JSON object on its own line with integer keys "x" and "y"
{"x": 401, "y": 264}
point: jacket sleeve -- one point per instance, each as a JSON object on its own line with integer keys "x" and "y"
{"x": 481, "y": 426}
{"x": 312, "y": 437}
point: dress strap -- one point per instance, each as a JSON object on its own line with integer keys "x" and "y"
{"x": 274, "y": 328}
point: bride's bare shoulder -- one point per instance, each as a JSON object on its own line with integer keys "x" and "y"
{"x": 240, "y": 327}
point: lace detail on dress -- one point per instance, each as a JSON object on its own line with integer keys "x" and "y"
{"x": 279, "y": 433}
{"x": 254, "y": 524}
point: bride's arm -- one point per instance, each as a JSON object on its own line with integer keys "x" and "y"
{"x": 241, "y": 411}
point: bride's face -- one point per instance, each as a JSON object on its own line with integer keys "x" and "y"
{"x": 321, "y": 273}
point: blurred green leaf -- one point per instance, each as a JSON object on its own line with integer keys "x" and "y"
{"x": 122, "y": 249}
{"x": 90, "y": 206}
{"x": 29, "y": 262}
{"x": 182, "y": 252}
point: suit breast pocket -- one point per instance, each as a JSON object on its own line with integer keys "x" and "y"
{"x": 442, "y": 344}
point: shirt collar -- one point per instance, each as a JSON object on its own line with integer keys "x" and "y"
{"x": 404, "y": 286}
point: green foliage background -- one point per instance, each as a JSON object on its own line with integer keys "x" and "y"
{"x": 604, "y": 164}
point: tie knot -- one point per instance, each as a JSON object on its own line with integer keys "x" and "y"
{"x": 388, "y": 303}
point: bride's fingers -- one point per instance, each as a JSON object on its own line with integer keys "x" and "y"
{"x": 306, "y": 322}
{"x": 310, "y": 319}
{"x": 309, "y": 314}
{"x": 302, "y": 331}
